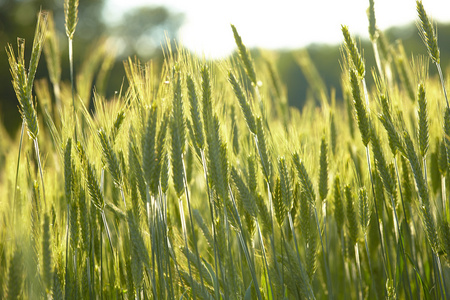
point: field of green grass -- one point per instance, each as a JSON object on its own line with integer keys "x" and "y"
{"x": 200, "y": 182}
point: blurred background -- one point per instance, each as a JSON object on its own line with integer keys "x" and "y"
{"x": 138, "y": 28}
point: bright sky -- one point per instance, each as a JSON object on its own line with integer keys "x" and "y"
{"x": 279, "y": 23}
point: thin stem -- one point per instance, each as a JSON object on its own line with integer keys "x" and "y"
{"x": 38, "y": 158}
{"x": 291, "y": 224}
{"x": 412, "y": 246}
{"x": 183, "y": 226}
{"x": 265, "y": 259}
{"x": 250, "y": 263}
{"x": 439, "y": 274}
{"x": 192, "y": 224}
{"x": 358, "y": 266}
{"x": 402, "y": 248}
{"x": 383, "y": 251}
{"x": 67, "y": 241}
{"x": 17, "y": 173}
{"x": 370, "y": 266}
{"x": 324, "y": 254}
{"x": 72, "y": 86}
{"x": 211, "y": 210}
{"x": 444, "y": 198}
{"x": 441, "y": 77}
{"x": 376, "y": 53}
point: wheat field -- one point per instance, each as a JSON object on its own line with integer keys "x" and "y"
{"x": 200, "y": 182}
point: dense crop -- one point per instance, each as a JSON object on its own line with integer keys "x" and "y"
{"x": 202, "y": 183}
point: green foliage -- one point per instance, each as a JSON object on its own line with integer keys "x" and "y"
{"x": 262, "y": 188}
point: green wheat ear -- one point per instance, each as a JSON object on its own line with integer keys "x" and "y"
{"x": 38, "y": 43}
{"x": 243, "y": 103}
{"x": 71, "y": 16}
{"x": 178, "y": 134}
{"x": 149, "y": 144}
{"x": 372, "y": 20}
{"x": 305, "y": 180}
{"x": 235, "y": 130}
{"x": 353, "y": 226}
{"x": 91, "y": 179}
{"x": 416, "y": 169}
{"x": 333, "y": 134}
{"x": 423, "y": 120}
{"x": 46, "y": 254}
{"x": 364, "y": 210}
{"x": 110, "y": 158}
{"x": 244, "y": 54}
{"x": 323, "y": 170}
{"x": 381, "y": 164}
{"x": 278, "y": 205}
{"x": 444, "y": 238}
{"x": 68, "y": 169}
{"x": 285, "y": 184}
{"x": 339, "y": 214}
{"x": 195, "y": 108}
{"x": 15, "y": 276}
{"x": 442, "y": 159}
{"x": 51, "y": 51}
{"x": 395, "y": 142}
{"x": 447, "y": 132}
{"x": 361, "y": 111}
{"x": 23, "y": 82}
{"x": 427, "y": 33}
{"x": 245, "y": 194}
{"x": 263, "y": 151}
{"x": 353, "y": 52}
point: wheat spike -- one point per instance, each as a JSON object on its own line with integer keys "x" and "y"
{"x": 195, "y": 108}
{"x": 364, "y": 210}
{"x": 361, "y": 111}
{"x": 243, "y": 103}
{"x": 333, "y": 134}
{"x": 46, "y": 254}
{"x": 38, "y": 43}
{"x": 148, "y": 145}
{"x": 68, "y": 170}
{"x": 395, "y": 142}
{"x": 381, "y": 164}
{"x": 20, "y": 84}
{"x": 423, "y": 120}
{"x": 442, "y": 159}
{"x": 372, "y": 20}
{"x": 244, "y": 54}
{"x": 178, "y": 135}
{"x": 416, "y": 169}
{"x": 353, "y": 52}
{"x": 91, "y": 179}
{"x": 15, "y": 276}
{"x": 71, "y": 16}
{"x": 118, "y": 122}
{"x": 339, "y": 213}
{"x": 444, "y": 238}
{"x": 323, "y": 170}
{"x": 352, "y": 221}
{"x": 304, "y": 179}
{"x": 285, "y": 183}
{"x": 262, "y": 148}
{"x": 447, "y": 132}
{"x": 427, "y": 33}
{"x": 278, "y": 204}
{"x": 52, "y": 54}
{"x": 110, "y": 158}
{"x": 245, "y": 195}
